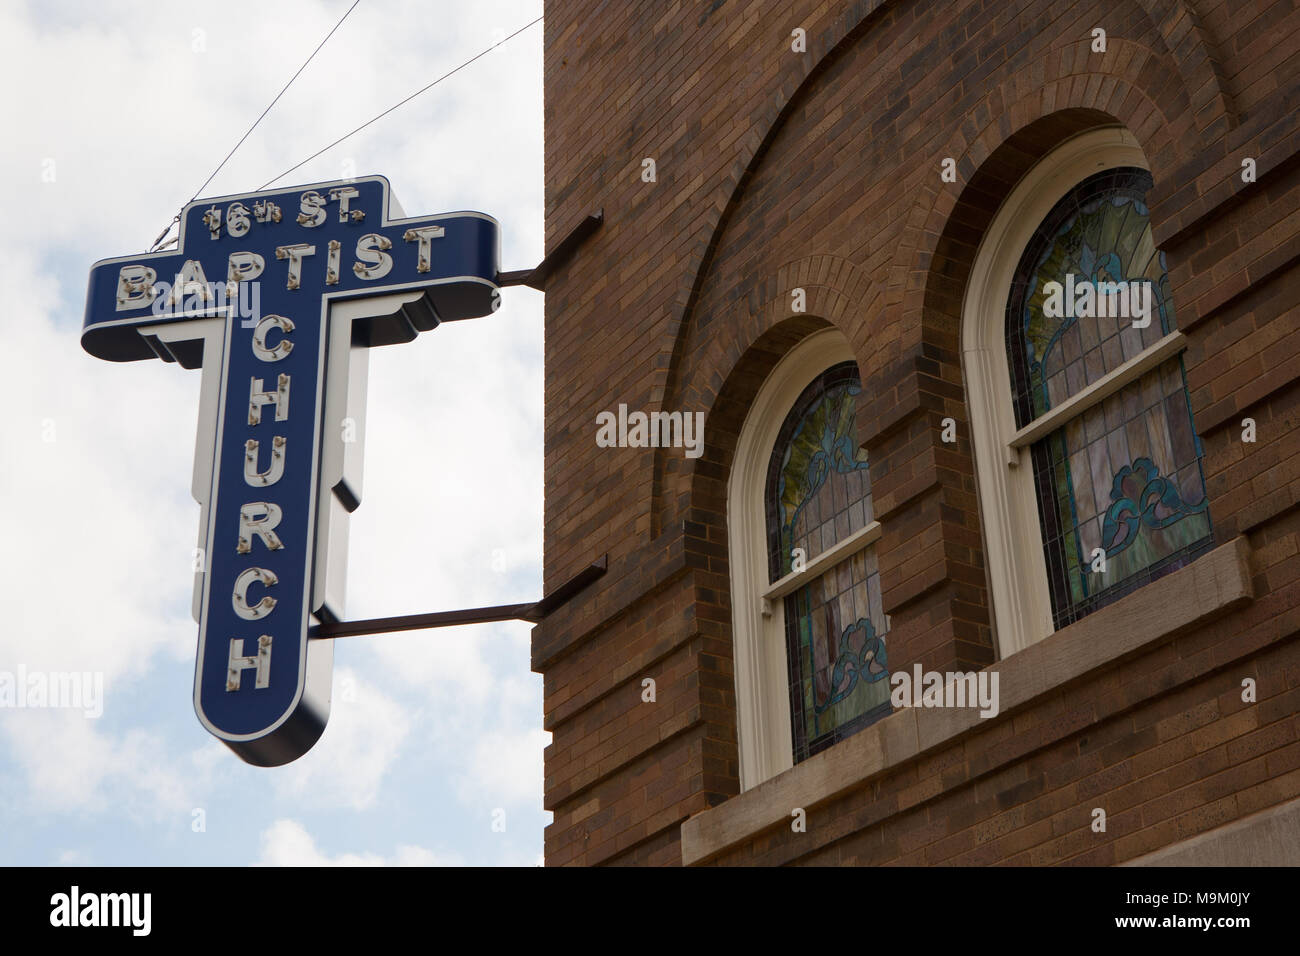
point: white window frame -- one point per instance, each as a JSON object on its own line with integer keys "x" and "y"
{"x": 1013, "y": 546}
{"x": 757, "y": 609}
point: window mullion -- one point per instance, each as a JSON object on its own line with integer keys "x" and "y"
{"x": 861, "y": 539}
{"x": 1110, "y": 383}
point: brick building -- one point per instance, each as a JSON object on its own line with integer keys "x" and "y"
{"x": 842, "y": 254}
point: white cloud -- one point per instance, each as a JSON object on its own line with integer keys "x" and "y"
{"x": 287, "y": 843}
{"x": 347, "y": 766}
{"x": 71, "y": 764}
{"x": 97, "y": 500}
{"x": 506, "y": 769}
{"x": 132, "y": 145}
{"x": 100, "y": 521}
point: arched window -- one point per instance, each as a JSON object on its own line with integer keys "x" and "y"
{"x": 807, "y": 615}
{"x": 1091, "y": 482}
{"x": 819, "y": 494}
{"x": 1121, "y": 492}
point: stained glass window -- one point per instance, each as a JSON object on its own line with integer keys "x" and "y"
{"x": 1126, "y": 475}
{"x": 818, "y": 493}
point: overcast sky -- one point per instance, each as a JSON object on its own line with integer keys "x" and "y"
{"x": 115, "y": 112}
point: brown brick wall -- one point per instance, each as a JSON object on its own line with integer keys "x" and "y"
{"x": 1164, "y": 743}
{"x": 820, "y": 170}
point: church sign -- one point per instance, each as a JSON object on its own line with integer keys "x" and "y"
{"x": 277, "y": 296}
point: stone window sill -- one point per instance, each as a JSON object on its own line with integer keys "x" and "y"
{"x": 1207, "y": 588}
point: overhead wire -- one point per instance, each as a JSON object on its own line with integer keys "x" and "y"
{"x": 221, "y": 165}
{"x": 402, "y": 103}
{"x": 351, "y": 133}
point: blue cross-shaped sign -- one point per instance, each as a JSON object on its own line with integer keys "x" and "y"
{"x": 277, "y": 296}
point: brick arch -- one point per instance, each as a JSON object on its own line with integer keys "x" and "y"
{"x": 705, "y": 530}
{"x": 1199, "y": 64}
{"x": 837, "y": 293}
{"x": 945, "y": 218}
{"x": 705, "y": 482}
{"x": 933, "y": 583}
{"x": 1118, "y": 79}
{"x": 823, "y": 49}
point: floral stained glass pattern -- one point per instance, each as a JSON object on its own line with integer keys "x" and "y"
{"x": 1100, "y": 232}
{"x": 819, "y": 493}
{"x": 1124, "y": 477}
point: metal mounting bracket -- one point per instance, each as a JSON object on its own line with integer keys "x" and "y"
{"x": 533, "y": 611}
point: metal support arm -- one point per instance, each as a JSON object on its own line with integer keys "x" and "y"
{"x": 534, "y": 611}
{"x": 536, "y": 277}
